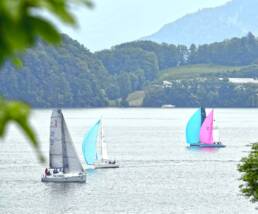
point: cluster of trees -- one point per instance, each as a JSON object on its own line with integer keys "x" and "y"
{"x": 72, "y": 76}
{"x": 136, "y": 64}
{"x": 130, "y": 69}
{"x": 236, "y": 51}
{"x": 249, "y": 170}
{"x": 211, "y": 92}
{"x": 67, "y": 76}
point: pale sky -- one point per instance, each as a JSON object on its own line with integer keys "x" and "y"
{"x": 112, "y": 22}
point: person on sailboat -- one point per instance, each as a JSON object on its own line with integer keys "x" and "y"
{"x": 112, "y": 162}
{"x": 47, "y": 172}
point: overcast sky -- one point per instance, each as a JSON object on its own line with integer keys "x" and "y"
{"x": 113, "y": 22}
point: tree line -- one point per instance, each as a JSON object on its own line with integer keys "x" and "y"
{"x": 211, "y": 92}
{"x": 71, "y": 76}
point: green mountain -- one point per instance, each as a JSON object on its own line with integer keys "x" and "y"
{"x": 141, "y": 73}
{"x": 68, "y": 75}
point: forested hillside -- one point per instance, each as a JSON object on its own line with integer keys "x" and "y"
{"x": 71, "y": 76}
{"x": 68, "y": 76}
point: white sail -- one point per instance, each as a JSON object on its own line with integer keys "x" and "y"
{"x": 70, "y": 158}
{"x": 55, "y": 147}
{"x": 104, "y": 154}
{"x": 216, "y": 135}
{"x": 62, "y": 151}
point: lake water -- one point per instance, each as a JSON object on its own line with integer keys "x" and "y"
{"x": 157, "y": 173}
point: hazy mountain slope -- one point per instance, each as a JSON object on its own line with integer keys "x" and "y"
{"x": 234, "y": 19}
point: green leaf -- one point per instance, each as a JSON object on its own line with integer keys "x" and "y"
{"x": 19, "y": 30}
{"x": 17, "y": 62}
{"x": 18, "y": 112}
{"x": 45, "y": 30}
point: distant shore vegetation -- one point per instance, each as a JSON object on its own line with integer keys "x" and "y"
{"x": 140, "y": 73}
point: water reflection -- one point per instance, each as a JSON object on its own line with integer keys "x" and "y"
{"x": 202, "y": 149}
{"x": 91, "y": 171}
{"x": 61, "y": 196}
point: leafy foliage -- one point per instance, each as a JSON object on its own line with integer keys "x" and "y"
{"x": 249, "y": 169}
{"x": 18, "y": 112}
{"x": 20, "y": 27}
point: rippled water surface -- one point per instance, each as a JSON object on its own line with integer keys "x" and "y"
{"x": 157, "y": 173}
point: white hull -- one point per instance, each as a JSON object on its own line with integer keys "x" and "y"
{"x": 105, "y": 165}
{"x": 64, "y": 178}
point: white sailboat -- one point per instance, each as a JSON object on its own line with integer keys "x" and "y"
{"x": 64, "y": 164}
{"x": 93, "y": 139}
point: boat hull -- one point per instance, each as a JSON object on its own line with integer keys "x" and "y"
{"x": 208, "y": 145}
{"x": 64, "y": 178}
{"x": 106, "y": 165}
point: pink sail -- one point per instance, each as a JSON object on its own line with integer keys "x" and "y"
{"x": 206, "y": 136}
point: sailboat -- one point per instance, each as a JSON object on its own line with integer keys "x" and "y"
{"x": 200, "y": 130}
{"x": 94, "y": 138}
{"x": 64, "y": 164}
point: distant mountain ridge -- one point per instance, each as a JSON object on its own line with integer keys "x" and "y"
{"x": 234, "y": 19}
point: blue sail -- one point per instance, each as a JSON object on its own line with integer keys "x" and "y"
{"x": 89, "y": 149}
{"x": 193, "y": 128}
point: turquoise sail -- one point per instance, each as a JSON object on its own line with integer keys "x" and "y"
{"x": 193, "y": 128}
{"x": 89, "y": 144}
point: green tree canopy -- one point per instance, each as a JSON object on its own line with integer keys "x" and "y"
{"x": 249, "y": 169}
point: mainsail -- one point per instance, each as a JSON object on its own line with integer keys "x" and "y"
{"x": 55, "y": 147}
{"x": 89, "y": 144}
{"x": 193, "y": 128}
{"x": 62, "y": 152}
{"x": 206, "y": 133}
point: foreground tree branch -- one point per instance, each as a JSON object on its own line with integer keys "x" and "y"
{"x": 20, "y": 27}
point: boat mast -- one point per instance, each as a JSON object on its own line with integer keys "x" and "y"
{"x": 101, "y": 138}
